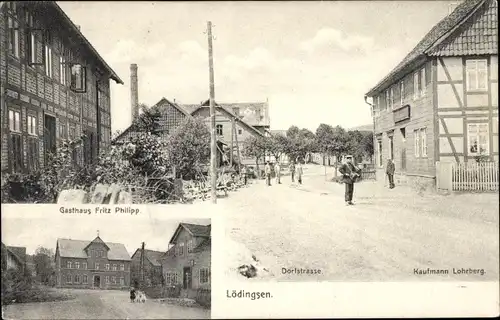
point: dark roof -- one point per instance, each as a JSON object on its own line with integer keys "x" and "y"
{"x": 153, "y": 256}
{"x": 204, "y": 245}
{"x": 80, "y": 35}
{"x": 76, "y": 249}
{"x": 19, "y": 253}
{"x": 440, "y": 30}
{"x": 196, "y": 230}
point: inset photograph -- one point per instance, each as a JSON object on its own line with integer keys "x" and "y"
{"x": 66, "y": 268}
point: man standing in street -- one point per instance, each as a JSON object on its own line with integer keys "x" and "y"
{"x": 244, "y": 174}
{"x": 267, "y": 171}
{"x": 277, "y": 171}
{"x": 300, "y": 171}
{"x": 349, "y": 175}
{"x": 389, "y": 170}
{"x": 292, "y": 170}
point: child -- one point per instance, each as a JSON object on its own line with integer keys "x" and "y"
{"x": 132, "y": 295}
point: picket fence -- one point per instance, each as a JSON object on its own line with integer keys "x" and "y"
{"x": 475, "y": 176}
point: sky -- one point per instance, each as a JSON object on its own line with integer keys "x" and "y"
{"x": 313, "y": 61}
{"x": 44, "y": 230}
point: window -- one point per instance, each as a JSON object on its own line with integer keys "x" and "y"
{"x": 107, "y": 279}
{"x": 84, "y": 265}
{"x": 240, "y": 131}
{"x": 85, "y": 279}
{"x": 387, "y": 99}
{"x": 13, "y": 23}
{"x": 422, "y": 82}
{"x": 78, "y": 78}
{"x": 171, "y": 278}
{"x": 69, "y": 278}
{"x": 219, "y": 129}
{"x": 113, "y": 279}
{"x": 402, "y": 91}
{"x": 379, "y": 149}
{"x": 478, "y": 138}
{"x": 392, "y": 98}
{"x": 122, "y": 267}
{"x": 77, "y": 265}
{"x": 180, "y": 249}
{"x": 31, "y": 124}
{"x": 107, "y": 266}
{"x": 63, "y": 75}
{"x": 68, "y": 264}
{"x": 122, "y": 281}
{"x": 48, "y": 60}
{"x": 420, "y": 142}
{"x": 416, "y": 85}
{"x": 204, "y": 275}
{"x": 391, "y": 147}
{"x": 114, "y": 267}
{"x": 15, "y": 121}
{"x": 476, "y": 75}
{"x": 77, "y": 278}
{"x": 190, "y": 246}
{"x": 97, "y": 266}
{"x": 31, "y": 41}
{"x": 62, "y": 130}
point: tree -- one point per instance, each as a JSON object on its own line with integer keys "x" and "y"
{"x": 324, "y": 138}
{"x": 43, "y": 264}
{"x": 255, "y": 147}
{"x": 338, "y": 146}
{"x": 277, "y": 144}
{"x": 149, "y": 120}
{"x": 188, "y": 147}
{"x": 367, "y": 145}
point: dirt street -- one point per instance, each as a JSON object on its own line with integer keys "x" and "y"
{"x": 389, "y": 235}
{"x": 101, "y": 304}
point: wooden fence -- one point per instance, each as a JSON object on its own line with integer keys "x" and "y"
{"x": 469, "y": 176}
{"x": 474, "y": 176}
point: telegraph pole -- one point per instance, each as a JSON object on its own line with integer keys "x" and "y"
{"x": 213, "y": 141}
{"x": 142, "y": 265}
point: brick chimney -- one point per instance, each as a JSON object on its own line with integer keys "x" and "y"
{"x": 134, "y": 91}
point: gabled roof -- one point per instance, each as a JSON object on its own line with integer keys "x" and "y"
{"x": 206, "y": 244}
{"x": 228, "y": 114}
{"x": 97, "y": 240}
{"x": 196, "y": 230}
{"x": 160, "y": 104}
{"x": 74, "y": 29}
{"x": 76, "y": 249}
{"x": 418, "y": 54}
{"x": 153, "y": 256}
{"x": 19, "y": 253}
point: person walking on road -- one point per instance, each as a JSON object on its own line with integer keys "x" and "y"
{"x": 349, "y": 175}
{"x": 292, "y": 170}
{"x": 244, "y": 174}
{"x": 389, "y": 170}
{"x": 267, "y": 171}
{"x": 277, "y": 171}
{"x": 300, "y": 171}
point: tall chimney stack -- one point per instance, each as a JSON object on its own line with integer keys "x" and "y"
{"x": 134, "y": 91}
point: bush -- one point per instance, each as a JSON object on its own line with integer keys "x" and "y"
{"x": 16, "y": 285}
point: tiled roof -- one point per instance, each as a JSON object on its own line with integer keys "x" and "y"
{"x": 19, "y": 253}
{"x": 75, "y": 249}
{"x": 204, "y": 245}
{"x": 153, "y": 256}
{"x": 197, "y": 230}
{"x": 478, "y": 35}
{"x": 441, "y": 29}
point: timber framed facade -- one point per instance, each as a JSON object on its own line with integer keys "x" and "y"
{"x": 441, "y": 102}
{"x": 54, "y": 86}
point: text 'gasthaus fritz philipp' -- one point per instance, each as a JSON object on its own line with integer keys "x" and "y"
{"x": 100, "y": 210}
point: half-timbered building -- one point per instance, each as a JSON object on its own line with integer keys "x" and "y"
{"x": 441, "y": 102}
{"x": 54, "y": 86}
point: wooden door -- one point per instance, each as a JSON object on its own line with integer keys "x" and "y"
{"x": 49, "y": 136}
{"x": 187, "y": 278}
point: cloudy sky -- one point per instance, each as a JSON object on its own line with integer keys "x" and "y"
{"x": 43, "y": 230}
{"x": 313, "y": 60}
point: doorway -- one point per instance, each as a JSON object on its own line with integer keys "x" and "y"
{"x": 403, "y": 149}
{"x": 187, "y": 278}
{"x": 49, "y": 136}
{"x": 97, "y": 281}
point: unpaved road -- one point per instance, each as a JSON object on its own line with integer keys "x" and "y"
{"x": 389, "y": 235}
{"x": 101, "y": 304}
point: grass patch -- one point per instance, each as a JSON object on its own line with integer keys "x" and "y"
{"x": 36, "y": 294}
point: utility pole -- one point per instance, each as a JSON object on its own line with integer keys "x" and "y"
{"x": 213, "y": 141}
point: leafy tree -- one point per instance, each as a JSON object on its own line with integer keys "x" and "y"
{"x": 367, "y": 144}
{"x": 255, "y": 147}
{"x": 43, "y": 264}
{"x": 324, "y": 138}
{"x": 292, "y": 132}
{"x": 277, "y": 144}
{"x": 149, "y": 120}
{"x": 188, "y": 147}
{"x": 338, "y": 145}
